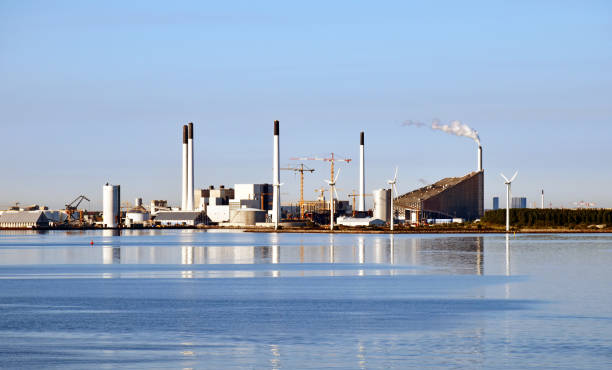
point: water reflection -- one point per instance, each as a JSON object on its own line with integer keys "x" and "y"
{"x": 286, "y": 255}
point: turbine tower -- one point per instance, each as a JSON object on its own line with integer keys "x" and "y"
{"x": 508, "y": 193}
{"x": 332, "y": 191}
{"x": 393, "y": 191}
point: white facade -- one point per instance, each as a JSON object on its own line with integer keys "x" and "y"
{"x": 111, "y": 205}
{"x": 218, "y": 213}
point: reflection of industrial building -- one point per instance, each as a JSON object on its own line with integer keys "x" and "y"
{"x": 453, "y": 197}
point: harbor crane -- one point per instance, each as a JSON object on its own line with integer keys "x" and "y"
{"x": 73, "y": 206}
{"x": 301, "y": 169}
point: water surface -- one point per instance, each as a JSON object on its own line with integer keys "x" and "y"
{"x": 193, "y": 299}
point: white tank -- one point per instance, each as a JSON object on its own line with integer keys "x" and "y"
{"x": 382, "y": 204}
{"x": 248, "y": 216}
{"x": 111, "y": 205}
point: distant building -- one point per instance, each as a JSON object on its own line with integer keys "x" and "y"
{"x": 179, "y": 218}
{"x": 495, "y": 203}
{"x": 24, "y": 219}
{"x": 519, "y": 202}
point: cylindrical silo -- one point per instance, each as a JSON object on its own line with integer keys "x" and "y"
{"x": 382, "y": 204}
{"x": 111, "y": 205}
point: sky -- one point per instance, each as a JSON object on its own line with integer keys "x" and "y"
{"x": 96, "y": 92}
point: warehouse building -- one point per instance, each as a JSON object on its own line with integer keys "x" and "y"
{"x": 25, "y": 219}
{"x": 179, "y": 218}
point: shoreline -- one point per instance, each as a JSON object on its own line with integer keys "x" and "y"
{"x": 336, "y": 231}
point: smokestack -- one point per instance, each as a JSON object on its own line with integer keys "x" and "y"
{"x": 276, "y": 178}
{"x": 479, "y": 158}
{"x": 542, "y": 198}
{"x": 184, "y": 178}
{"x": 361, "y": 174}
{"x": 190, "y": 167}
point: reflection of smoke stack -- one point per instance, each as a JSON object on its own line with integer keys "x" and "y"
{"x": 276, "y": 178}
{"x": 190, "y": 168}
{"x": 184, "y": 179}
{"x": 479, "y": 158}
{"x": 361, "y": 175}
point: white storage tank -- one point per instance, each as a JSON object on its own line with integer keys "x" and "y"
{"x": 248, "y": 216}
{"x": 111, "y": 205}
{"x": 382, "y": 204}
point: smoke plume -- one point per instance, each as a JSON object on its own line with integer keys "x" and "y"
{"x": 454, "y": 128}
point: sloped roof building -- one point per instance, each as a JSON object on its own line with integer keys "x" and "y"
{"x": 452, "y": 197}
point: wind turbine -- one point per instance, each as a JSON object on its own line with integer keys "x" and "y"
{"x": 393, "y": 191}
{"x": 332, "y": 191}
{"x": 508, "y": 193}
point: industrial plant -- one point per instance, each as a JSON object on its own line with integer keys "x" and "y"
{"x": 452, "y": 199}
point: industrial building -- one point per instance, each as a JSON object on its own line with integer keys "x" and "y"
{"x": 23, "y": 219}
{"x": 453, "y": 197}
{"x": 495, "y": 203}
{"x": 519, "y": 202}
{"x": 138, "y": 215}
{"x": 111, "y": 206}
{"x": 182, "y": 218}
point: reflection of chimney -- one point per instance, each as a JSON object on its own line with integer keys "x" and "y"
{"x": 184, "y": 179}
{"x": 190, "y": 168}
{"x": 361, "y": 175}
{"x": 479, "y": 158}
{"x": 276, "y": 178}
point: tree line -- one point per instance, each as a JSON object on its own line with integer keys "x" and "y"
{"x": 535, "y": 217}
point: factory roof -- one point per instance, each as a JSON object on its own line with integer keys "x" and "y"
{"x": 426, "y": 192}
{"x": 178, "y": 216}
{"x": 23, "y": 217}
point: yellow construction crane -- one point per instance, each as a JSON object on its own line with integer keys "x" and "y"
{"x": 301, "y": 169}
{"x": 331, "y": 159}
{"x": 355, "y": 195}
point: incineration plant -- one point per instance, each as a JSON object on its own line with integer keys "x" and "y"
{"x": 452, "y": 199}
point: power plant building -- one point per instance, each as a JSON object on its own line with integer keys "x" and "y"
{"x": 453, "y": 197}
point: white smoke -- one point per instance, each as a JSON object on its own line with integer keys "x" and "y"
{"x": 413, "y": 123}
{"x": 457, "y": 128}
{"x": 454, "y": 128}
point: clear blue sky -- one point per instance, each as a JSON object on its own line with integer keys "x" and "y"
{"x": 97, "y": 91}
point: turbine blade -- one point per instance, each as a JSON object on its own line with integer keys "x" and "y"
{"x": 514, "y": 177}
{"x": 335, "y": 192}
{"x": 337, "y": 174}
{"x": 395, "y": 177}
{"x": 328, "y": 182}
{"x": 395, "y": 190}
{"x": 505, "y": 178}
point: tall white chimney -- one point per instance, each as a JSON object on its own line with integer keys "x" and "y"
{"x": 276, "y": 179}
{"x": 479, "y": 158}
{"x": 361, "y": 175}
{"x": 184, "y": 178}
{"x": 190, "y": 167}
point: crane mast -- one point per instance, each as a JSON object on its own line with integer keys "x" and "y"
{"x": 301, "y": 169}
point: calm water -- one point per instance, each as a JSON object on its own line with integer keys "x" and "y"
{"x": 189, "y": 299}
